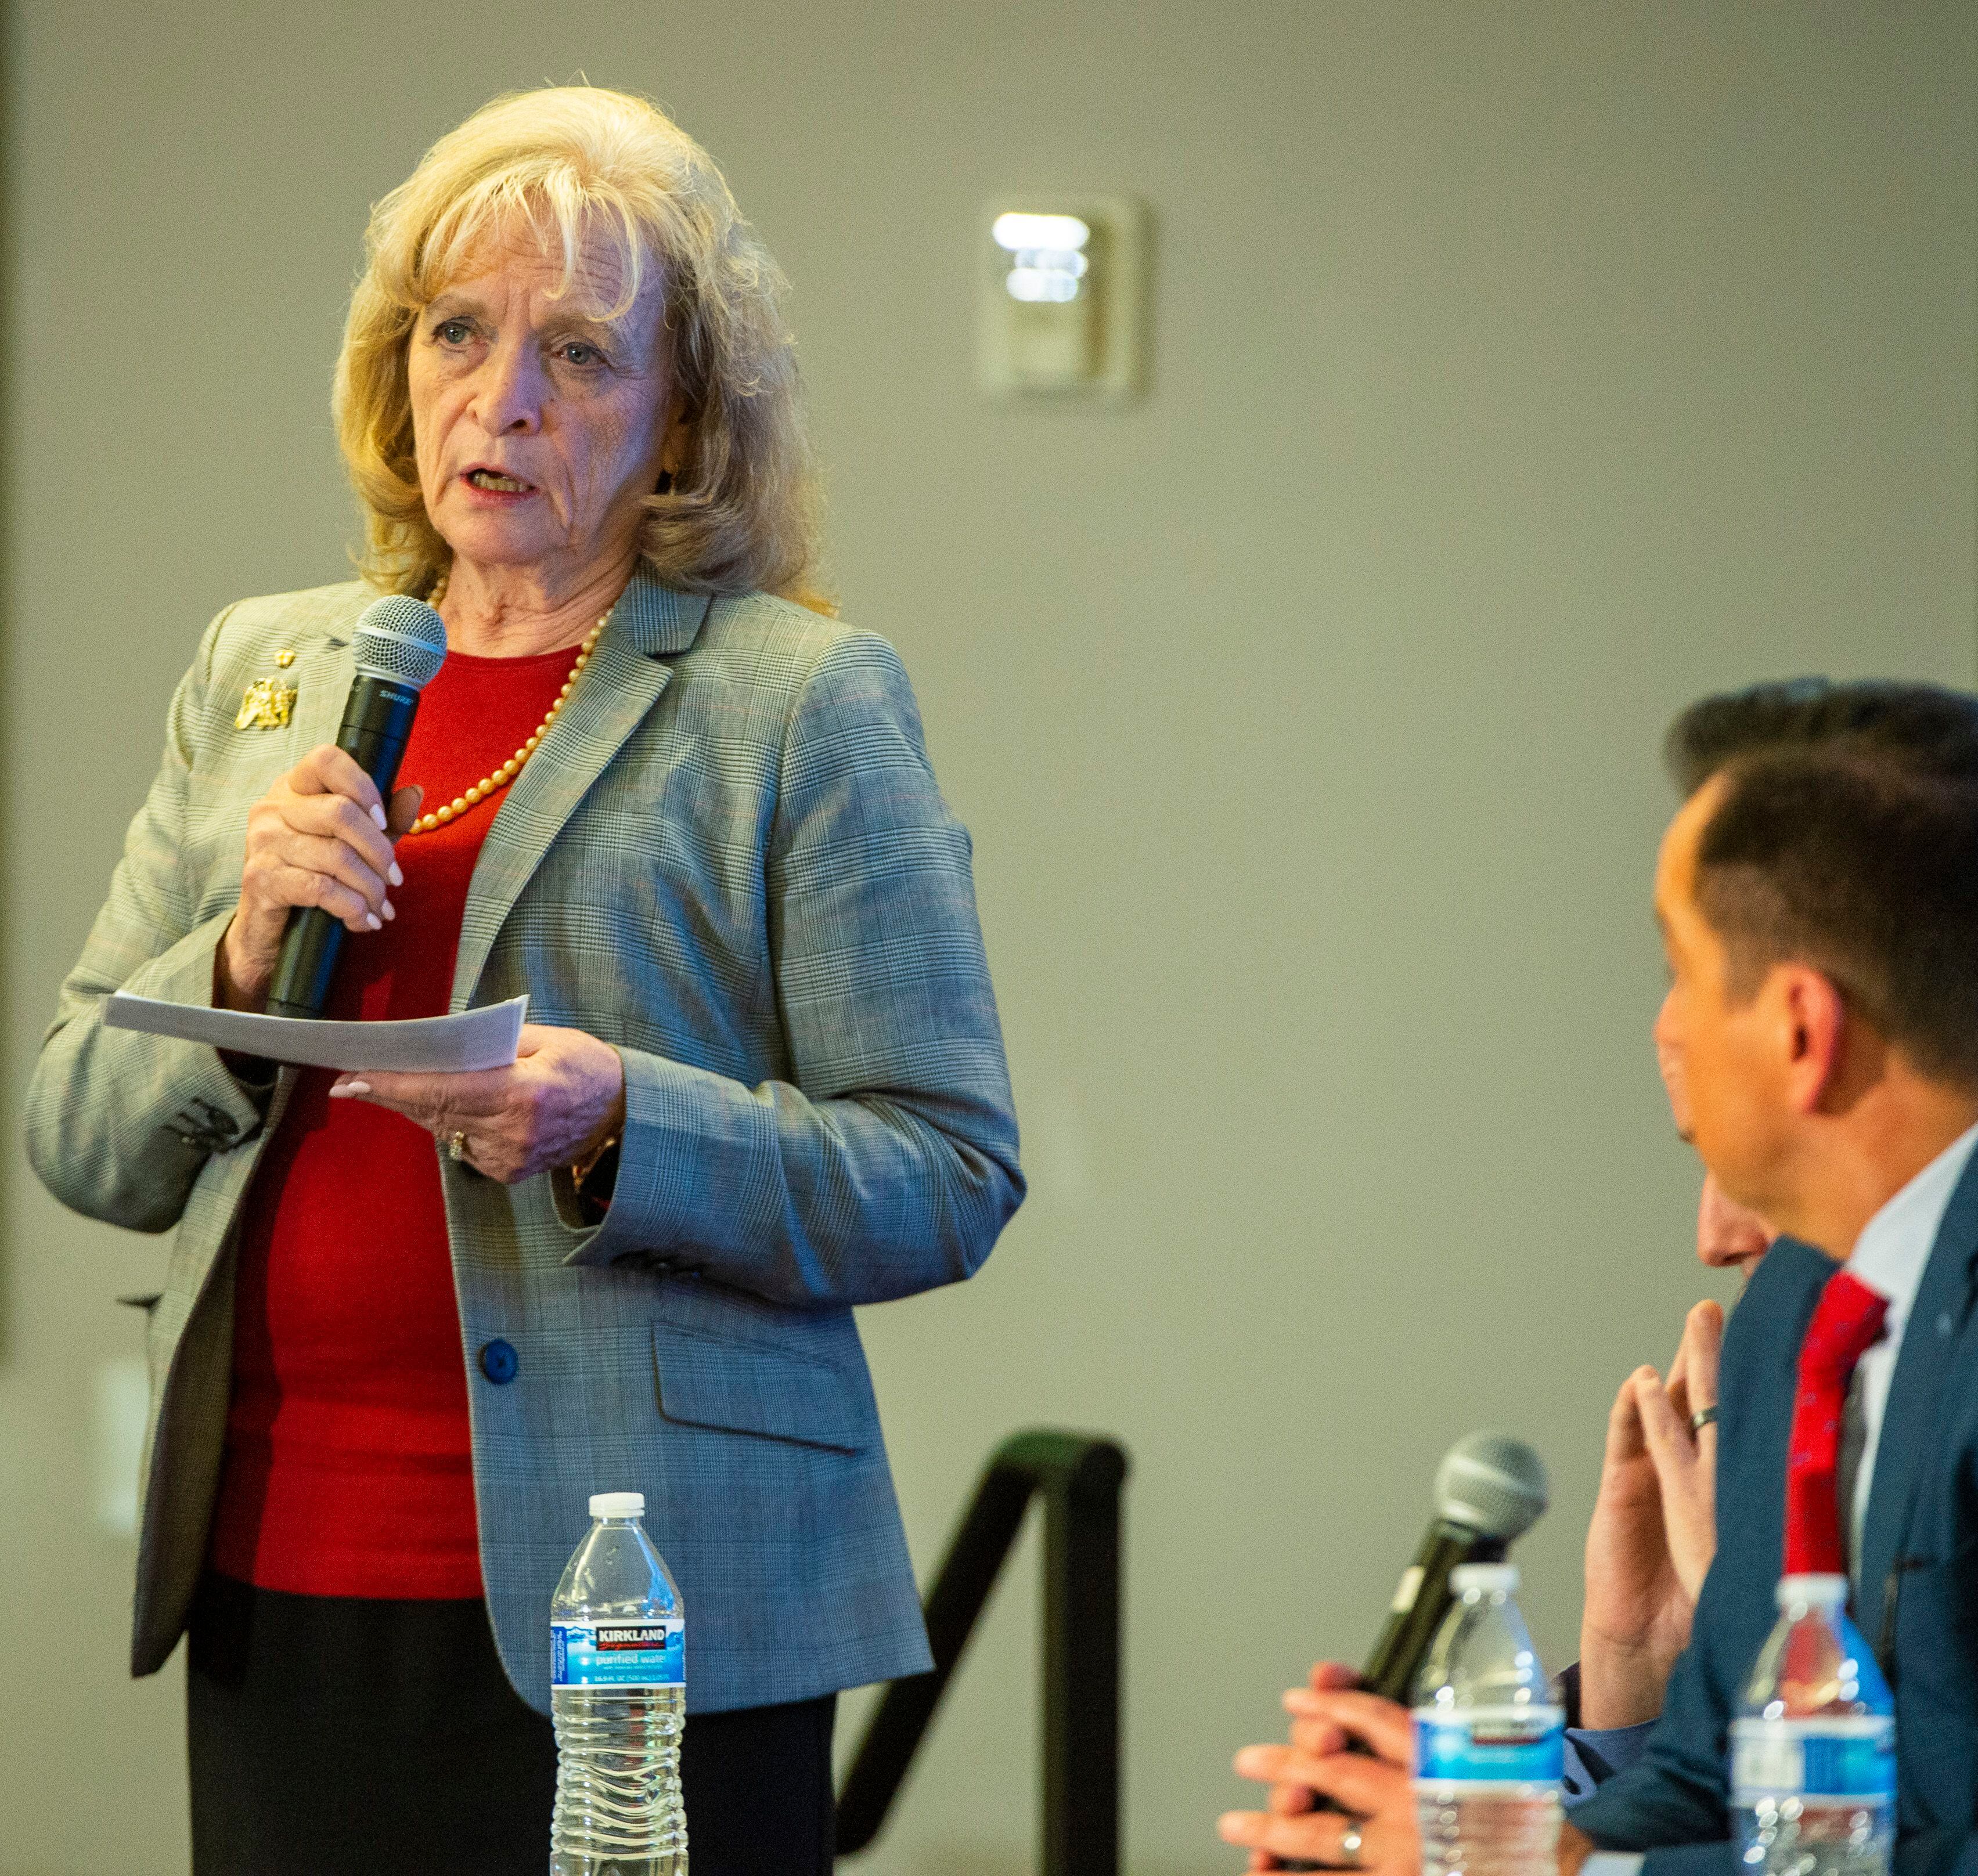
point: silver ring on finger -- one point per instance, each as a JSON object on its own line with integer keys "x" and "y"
{"x": 1349, "y": 1840}
{"x": 1702, "y": 1417}
{"x": 456, "y": 1148}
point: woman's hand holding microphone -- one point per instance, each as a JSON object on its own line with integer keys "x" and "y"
{"x": 324, "y": 835}
{"x": 321, "y": 836}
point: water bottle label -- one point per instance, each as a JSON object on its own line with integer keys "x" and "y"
{"x": 1853, "y": 1757}
{"x": 618, "y": 1654}
{"x": 1490, "y": 1744}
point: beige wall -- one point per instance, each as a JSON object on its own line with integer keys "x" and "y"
{"x": 1519, "y": 372}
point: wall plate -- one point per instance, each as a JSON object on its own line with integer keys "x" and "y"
{"x": 1064, "y": 296}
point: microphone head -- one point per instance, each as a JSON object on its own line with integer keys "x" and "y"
{"x": 401, "y": 639}
{"x": 1493, "y": 1485}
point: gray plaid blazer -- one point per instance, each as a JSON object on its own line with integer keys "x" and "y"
{"x": 730, "y": 860}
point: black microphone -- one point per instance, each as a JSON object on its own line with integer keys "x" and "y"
{"x": 1489, "y": 1489}
{"x": 401, "y": 644}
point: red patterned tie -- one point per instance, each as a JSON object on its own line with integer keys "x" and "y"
{"x": 1847, "y": 1320}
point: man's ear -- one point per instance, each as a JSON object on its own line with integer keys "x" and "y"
{"x": 1812, "y": 1019}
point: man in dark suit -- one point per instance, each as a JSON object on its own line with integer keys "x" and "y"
{"x": 1818, "y": 893}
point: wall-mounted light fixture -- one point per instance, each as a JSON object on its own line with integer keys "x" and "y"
{"x": 1063, "y": 292}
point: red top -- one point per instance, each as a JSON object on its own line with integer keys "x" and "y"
{"x": 348, "y": 1467}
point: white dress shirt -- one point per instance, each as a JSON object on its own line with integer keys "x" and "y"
{"x": 1889, "y": 1256}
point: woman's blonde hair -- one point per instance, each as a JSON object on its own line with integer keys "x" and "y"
{"x": 587, "y": 169}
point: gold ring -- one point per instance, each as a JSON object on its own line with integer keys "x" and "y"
{"x": 456, "y": 1148}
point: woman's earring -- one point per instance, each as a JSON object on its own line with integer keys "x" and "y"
{"x": 665, "y": 483}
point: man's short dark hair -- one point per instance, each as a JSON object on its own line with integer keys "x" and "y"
{"x": 1847, "y": 839}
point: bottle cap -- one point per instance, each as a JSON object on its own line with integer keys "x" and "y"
{"x": 1822, "y": 1591}
{"x": 1487, "y": 1577}
{"x": 617, "y": 1505}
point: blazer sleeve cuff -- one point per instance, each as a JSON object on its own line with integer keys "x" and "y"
{"x": 667, "y": 1105}
{"x": 209, "y": 1107}
{"x": 1594, "y": 1754}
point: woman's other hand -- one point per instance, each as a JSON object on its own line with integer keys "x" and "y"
{"x": 561, "y": 1101}
{"x": 321, "y": 836}
{"x": 1372, "y": 1786}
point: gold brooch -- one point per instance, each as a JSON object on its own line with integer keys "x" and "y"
{"x": 267, "y": 705}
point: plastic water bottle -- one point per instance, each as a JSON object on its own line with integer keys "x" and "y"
{"x": 1490, "y": 1743}
{"x": 618, "y": 1696}
{"x": 1813, "y": 1751}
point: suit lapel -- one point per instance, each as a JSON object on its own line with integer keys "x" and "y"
{"x": 626, "y": 674}
{"x": 1911, "y": 1421}
{"x": 1760, "y": 1369}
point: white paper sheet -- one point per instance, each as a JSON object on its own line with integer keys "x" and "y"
{"x": 475, "y": 1038}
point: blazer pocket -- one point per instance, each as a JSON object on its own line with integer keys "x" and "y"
{"x": 748, "y": 1387}
{"x": 145, "y": 1299}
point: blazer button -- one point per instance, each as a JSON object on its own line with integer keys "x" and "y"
{"x": 499, "y": 1362}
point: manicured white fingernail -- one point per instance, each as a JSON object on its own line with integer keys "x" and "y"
{"x": 343, "y": 1090}
{"x": 377, "y": 815}
{"x": 395, "y": 876}
{"x": 389, "y": 911}
{"x": 373, "y": 920}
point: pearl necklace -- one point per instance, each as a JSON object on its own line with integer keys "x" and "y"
{"x": 493, "y": 783}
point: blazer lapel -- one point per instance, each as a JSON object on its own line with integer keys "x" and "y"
{"x": 323, "y": 672}
{"x": 1911, "y": 1421}
{"x": 627, "y": 672}
{"x": 1760, "y": 1379}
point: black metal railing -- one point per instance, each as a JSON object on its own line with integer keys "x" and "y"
{"x": 1080, "y": 1478}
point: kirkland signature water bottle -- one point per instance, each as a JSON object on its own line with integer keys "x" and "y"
{"x": 1490, "y": 1744}
{"x": 1813, "y": 1751}
{"x": 618, "y": 1695}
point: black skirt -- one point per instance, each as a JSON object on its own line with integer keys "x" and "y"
{"x": 328, "y": 1734}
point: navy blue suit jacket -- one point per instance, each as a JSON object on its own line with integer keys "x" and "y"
{"x": 1918, "y": 1601}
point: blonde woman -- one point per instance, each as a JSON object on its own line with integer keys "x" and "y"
{"x": 411, "y": 1321}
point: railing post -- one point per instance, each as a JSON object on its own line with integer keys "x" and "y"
{"x": 1081, "y": 1478}
{"x": 1080, "y": 1823}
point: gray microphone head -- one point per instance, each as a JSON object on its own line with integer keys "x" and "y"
{"x": 1492, "y": 1484}
{"x": 402, "y": 639}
